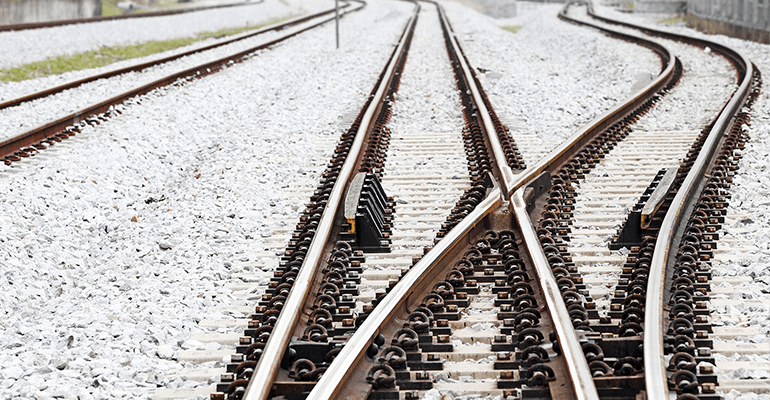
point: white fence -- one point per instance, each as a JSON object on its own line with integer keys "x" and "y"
{"x": 754, "y": 14}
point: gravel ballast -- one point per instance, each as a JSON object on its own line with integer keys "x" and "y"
{"x": 427, "y": 99}
{"x": 115, "y": 242}
{"x": 22, "y": 47}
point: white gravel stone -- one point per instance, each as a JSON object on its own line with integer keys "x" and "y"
{"x": 432, "y": 394}
{"x": 90, "y": 297}
{"x": 482, "y": 326}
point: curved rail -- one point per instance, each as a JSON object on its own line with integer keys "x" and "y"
{"x": 12, "y": 145}
{"x": 260, "y": 384}
{"x": 139, "y": 67}
{"x": 333, "y": 380}
{"x": 568, "y": 341}
{"x": 654, "y": 362}
{"x": 335, "y": 377}
{"x": 670, "y": 231}
{"x": 562, "y": 153}
{"x": 50, "y": 24}
{"x": 395, "y": 301}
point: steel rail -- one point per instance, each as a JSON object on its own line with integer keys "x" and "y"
{"x": 148, "y": 64}
{"x": 10, "y": 146}
{"x": 582, "y": 380}
{"x": 577, "y": 365}
{"x": 668, "y": 236}
{"x": 341, "y": 369}
{"x": 562, "y": 153}
{"x": 670, "y": 230}
{"x": 664, "y": 253}
{"x": 261, "y": 381}
{"x": 504, "y": 170}
{"x": 50, "y": 24}
{"x": 336, "y": 376}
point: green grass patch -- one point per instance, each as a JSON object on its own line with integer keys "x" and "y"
{"x": 163, "y": 5}
{"x": 512, "y": 29}
{"x": 170, "y": 4}
{"x": 110, "y": 8}
{"x": 673, "y": 20}
{"x": 109, "y": 55}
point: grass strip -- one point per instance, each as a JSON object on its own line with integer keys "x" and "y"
{"x": 108, "y": 55}
{"x": 512, "y": 29}
{"x": 110, "y": 8}
{"x": 674, "y": 20}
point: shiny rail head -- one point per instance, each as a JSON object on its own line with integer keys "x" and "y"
{"x": 582, "y": 380}
{"x": 343, "y": 366}
{"x": 654, "y": 361}
{"x": 262, "y": 380}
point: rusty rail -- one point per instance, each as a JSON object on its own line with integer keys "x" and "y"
{"x": 261, "y": 381}
{"x": 504, "y": 171}
{"x": 25, "y": 140}
{"x": 144, "y": 65}
{"x": 333, "y": 380}
{"x": 671, "y": 228}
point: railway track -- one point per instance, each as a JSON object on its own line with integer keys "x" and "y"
{"x": 514, "y": 334}
{"x": 430, "y": 260}
{"x": 41, "y": 94}
{"x": 735, "y": 351}
{"x": 694, "y": 364}
{"x": 316, "y": 334}
{"x": 41, "y": 122}
{"x": 414, "y": 194}
{"x": 494, "y": 259}
{"x": 137, "y": 115}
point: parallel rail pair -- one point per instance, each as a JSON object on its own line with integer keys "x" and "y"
{"x": 672, "y": 229}
{"x": 13, "y": 149}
